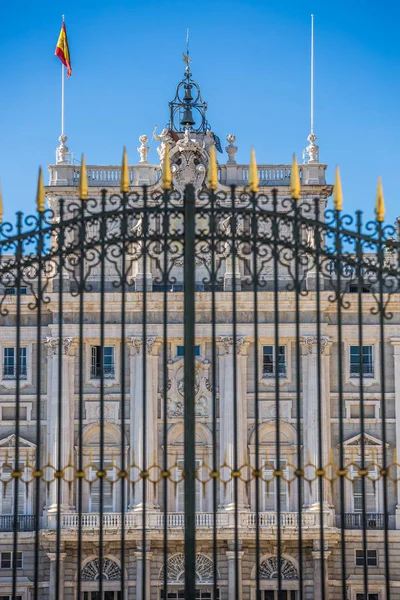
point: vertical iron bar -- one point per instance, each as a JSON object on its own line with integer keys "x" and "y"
{"x": 165, "y": 278}
{"x": 235, "y": 397}
{"x": 146, "y": 459}
{"x": 37, "y": 473}
{"x": 82, "y": 238}
{"x": 213, "y": 281}
{"x": 189, "y": 387}
{"x": 60, "y": 466}
{"x": 101, "y": 472}
{"x": 320, "y": 471}
{"x": 359, "y": 255}
{"x": 300, "y": 473}
{"x": 16, "y": 470}
{"x": 124, "y": 227}
{"x": 384, "y": 470}
{"x": 277, "y": 474}
{"x": 342, "y": 481}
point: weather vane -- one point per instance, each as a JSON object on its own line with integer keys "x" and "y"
{"x": 185, "y": 55}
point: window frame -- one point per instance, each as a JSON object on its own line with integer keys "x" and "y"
{"x": 107, "y": 381}
{"x": 275, "y": 363}
{"x": 355, "y": 380}
{"x": 11, "y": 382}
{"x": 361, "y": 558}
{"x": 11, "y": 553}
{"x": 269, "y": 381}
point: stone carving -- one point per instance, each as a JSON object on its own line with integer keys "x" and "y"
{"x": 143, "y": 149}
{"x": 312, "y": 150}
{"x": 227, "y": 344}
{"x": 176, "y": 569}
{"x": 52, "y": 345}
{"x": 62, "y": 150}
{"x": 311, "y": 340}
{"x": 231, "y": 149}
{"x": 180, "y": 384}
{"x": 165, "y": 138}
{"x": 93, "y": 410}
{"x": 269, "y": 569}
{"x": 91, "y": 571}
{"x": 137, "y": 342}
{"x": 175, "y": 401}
{"x": 175, "y": 407}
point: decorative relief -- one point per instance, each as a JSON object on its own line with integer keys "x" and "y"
{"x": 267, "y": 409}
{"x": 269, "y": 569}
{"x": 93, "y": 410}
{"x": 52, "y": 345}
{"x": 176, "y": 569}
{"x": 310, "y": 340}
{"x": 91, "y": 571}
{"x": 176, "y": 389}
{"x": 227, "y": 344}
{"x": 137, "y": 342}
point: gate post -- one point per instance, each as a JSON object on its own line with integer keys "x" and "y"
{"x": 189, "y": 388}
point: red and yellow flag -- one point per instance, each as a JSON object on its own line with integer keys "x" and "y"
{"x": 62, "y": 49}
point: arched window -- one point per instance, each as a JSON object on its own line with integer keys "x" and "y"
{"x": 269, "y": 569}
{"x": 176, "y": 577}
{"x": 91, "y": 571}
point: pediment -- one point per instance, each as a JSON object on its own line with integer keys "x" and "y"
{"x": 369, "y": 440}
{"x": 9, "y": 442}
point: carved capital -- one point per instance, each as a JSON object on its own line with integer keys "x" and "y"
{"x": 136, "y": 345}
{"x": 310, "y": 344}
{"x": 52, "y": 345}
{"x": 226, "y": 343}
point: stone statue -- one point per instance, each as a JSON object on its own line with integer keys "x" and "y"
{"x": 231, "y": 149}
{"x": 143, "y": 149}
{"x": 165, "y": 138}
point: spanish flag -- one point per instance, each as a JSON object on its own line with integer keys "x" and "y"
{"x": 62, "y": 50}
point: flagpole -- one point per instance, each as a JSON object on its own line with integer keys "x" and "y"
{"x": 62, "y": 99}
{"x": 312, "y": 75}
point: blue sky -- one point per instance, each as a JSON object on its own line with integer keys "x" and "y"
{"x": 251, "y": 59}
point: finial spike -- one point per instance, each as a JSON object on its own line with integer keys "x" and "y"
{"x": 83, "y": 180}
{"x": 166, "y": 171}
{"x": 1, "y": 205}
{"x": 253, "y": 172}
{"x": 337, "y": 191}
{"x": 380, "y": 203}
{"x": 212, "y": 169}
{"x": 125, "y": 173}
{"x": 40, "y": 195}
{"x": 295, "y": 187}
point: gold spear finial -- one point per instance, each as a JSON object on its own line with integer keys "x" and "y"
{"x": 295, "y": 187}
{"x": 380, "y": 203}
{"x": 337, "y": 191}
{"x": 40, "y": 197}
{"x": 125, "y": 173}
{"x": 166, "y": 171}
{"x": 83, "y": 180}
{"x": 212, "y": 169}
{"x": 1, "y": 205}
{"x": 253, "y": 172}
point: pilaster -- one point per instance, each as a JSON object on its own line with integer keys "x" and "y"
{"x": 53, "y": 595}
{"x": 143, "y": 558}
{"x": 318, "y": 557}
{"x": 396, "y": 357}
{"x": 231, "y": 556}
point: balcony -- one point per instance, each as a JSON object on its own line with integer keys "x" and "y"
{"x": 355, "y": 521}
{"x": 176, "y": 520}
{"x": 24, "y": 522}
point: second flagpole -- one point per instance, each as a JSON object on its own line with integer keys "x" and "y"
{"x": 62, "y": 99}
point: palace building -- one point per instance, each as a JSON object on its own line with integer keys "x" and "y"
{"x": 266, "y": 370}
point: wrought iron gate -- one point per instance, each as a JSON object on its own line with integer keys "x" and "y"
{"x": 239, "y": 345}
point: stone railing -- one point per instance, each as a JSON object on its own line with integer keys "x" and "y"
{"x": 24, "y": 522}
{"x": 155, "y": 520}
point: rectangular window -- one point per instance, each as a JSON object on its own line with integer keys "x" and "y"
{"x": 10, "y": 363}
{"x": 180, "y": 490}
{"x": 369, "y": 411}
{"x": 94, "y": 490}
{"x": 270, "y": 497}
{"x": 102, "y": 362}
{"x": 6, "y": 560}
{"x": 270, "y": 364}
{"x": 10, "y": 597}
{"x": 7, "y": 495}
{"x": 369, "y": 596}
{"x": 364, "y": 362}
{"x": 180, "y": 350}
{"x": 370, "y": 491}
{"x": 372, "y": 558}
{"x": 12, "y": 291}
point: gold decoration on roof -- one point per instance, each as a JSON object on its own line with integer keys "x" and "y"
{"x": 295, "y": 187}
{"x": 40, "y": 195}
{"x": 253, "y": 172}
{"x": 337, "y": 191}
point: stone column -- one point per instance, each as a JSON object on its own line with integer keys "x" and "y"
{"x": 230, "y": 554}
{"x": 396, "y": 356}
{"x": 227, "y": 354}
{"x": 317, "y": 560}
{"x": 54, "y": 440}
{"x": 310, "y": 415}
{"x": 53, "y": 576}
{"x": 138, "y": 425}
{"x": 139, "y": 574}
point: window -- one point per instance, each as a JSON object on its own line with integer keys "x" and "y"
{"x": 180, "y": 350}
{"x": 12, "y": 291}
{"x": 372, "y": 558}
{"x": 201, "y": 594}
{"x": 274, "y": 595}
{"x": 370, "y": 491}
{"x": 369, "y": 411}
{"x": 7, "y": 494}
{"x": 10, "y": 363}
{"x": 102, "y": 362}
{"x": 364, "y": 362}
{"x": 10, "y": 597}
{"x": 94, "y": 490}
{"x": 180, "y": 491}
{"x": 270, "y": 495}
{"x": 370, "y": 596}
{"x": 6, "y": 561}
{"x": 353, "y": 289}
{"x": 269, "y": 362}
